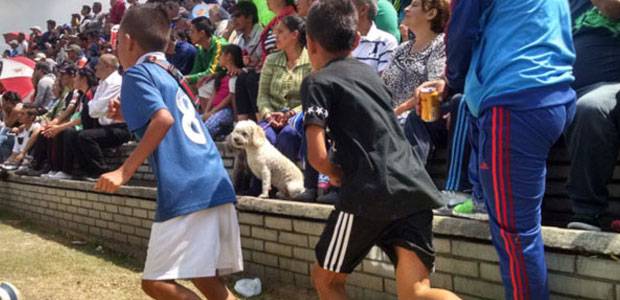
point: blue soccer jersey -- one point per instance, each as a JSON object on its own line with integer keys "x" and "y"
{"x": 188, "y": 167}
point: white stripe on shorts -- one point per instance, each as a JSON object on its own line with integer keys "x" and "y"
{"x": 340, "y": 240}
{"x": 346, "y": 243}
{"x": 331, "y": 243}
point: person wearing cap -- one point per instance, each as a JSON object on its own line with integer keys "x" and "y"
{"x": 14, "y": 44}
{"x": 75, "y": 55}
{"x": 43, "y": 78}
{"x": 60, "y": 112}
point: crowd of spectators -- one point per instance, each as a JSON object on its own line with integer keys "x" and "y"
{"x": 246, "y": 59}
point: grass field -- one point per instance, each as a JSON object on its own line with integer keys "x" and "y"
{"x": 47, "y": 265}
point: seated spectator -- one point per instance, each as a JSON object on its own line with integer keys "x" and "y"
{"x": 22, "y": 49}
{"x": 98, "y": 17}
{"x": 112, "y": 133}
{"x": 593, "y": 137}
{"x": 26, "y": 135}
{"x": 279, "y": 89}
{"x": 37, "y": 37}
{"x": 182, "y": 53}
{"x": 43, "y": 78}
{"x": 76, "y": 55}
{"x": 247, "y": 36}
{"x": 10, "y": 120}
{"x": 218, "y": 114}
{"x": 47, "y": 152}
{"x": 220, "y": 19}
{"x": 376, "y": 46}
{"x": 85, "y": 84}
{"x": 14, "y": 51}
{"x": 50, "y": 36}
{"x": 415, "y": 62}
{"x": 209, "y": 50}
{"x": 282, "y": 8}
{"x": 87, "y": 18}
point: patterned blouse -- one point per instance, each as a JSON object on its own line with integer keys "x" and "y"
{"x": 410, "y": 69}
{"x": 279, "y": 86}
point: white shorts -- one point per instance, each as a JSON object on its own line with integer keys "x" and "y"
{"x": 202, "y": 244}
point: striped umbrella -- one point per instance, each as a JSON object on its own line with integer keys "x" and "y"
{"x": 16, "y": 76}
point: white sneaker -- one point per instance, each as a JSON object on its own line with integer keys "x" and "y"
{"x": 452, "y": 198}
{"x": 61, "y": 176}
{"x": 49, "y": 174}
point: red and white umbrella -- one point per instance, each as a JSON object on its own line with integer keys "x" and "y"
{"x": 12, "y": 36}
{"x": 16, "y": 76}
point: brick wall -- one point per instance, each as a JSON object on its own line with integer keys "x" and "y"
{"x": 278, "y": 239}
{"x": 556, "y": 208}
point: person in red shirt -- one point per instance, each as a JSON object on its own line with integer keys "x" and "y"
{"x": 117, "y": 10}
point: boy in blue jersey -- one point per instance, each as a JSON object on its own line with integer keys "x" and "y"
{"x": 195, "y": 235}
{"x": 513, "y": 60}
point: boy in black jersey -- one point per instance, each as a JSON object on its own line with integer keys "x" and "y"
{"x": 386, "y": 196}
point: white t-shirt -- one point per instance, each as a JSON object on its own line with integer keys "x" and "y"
{"x": 376, "y": 49}
{"x": 22, "y": 138}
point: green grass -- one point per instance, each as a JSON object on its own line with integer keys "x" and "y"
{"x": 46, "y": 264}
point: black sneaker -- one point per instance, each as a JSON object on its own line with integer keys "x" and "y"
{"x": 309, "y": 195}
{"x": 329, "y": 198}
{"x": 585, "y": 222}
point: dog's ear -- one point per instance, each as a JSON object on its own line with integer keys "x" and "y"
{"x": 258, "y": 136}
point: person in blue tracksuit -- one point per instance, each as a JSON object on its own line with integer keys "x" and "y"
{"x": 513, "y": 61}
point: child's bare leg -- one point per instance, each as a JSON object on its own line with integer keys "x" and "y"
{"x": 412, "y": 279}
{"x": 329, "y": 285}
{"x": 213, "y": 288}
{"x": 167, "y": 289}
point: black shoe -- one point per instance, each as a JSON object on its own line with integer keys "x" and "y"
{"x": 584, "y": 222}
{"x": 309, "y": 195}
{"x": 23, "y": 172}
{"x": 329, "y": 198}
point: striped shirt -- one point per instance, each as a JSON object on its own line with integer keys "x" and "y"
{"x": 376, "y": 48}
{"x": 279, "y": 86}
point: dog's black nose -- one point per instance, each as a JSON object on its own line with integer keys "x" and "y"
{"x": 236, "y": 140}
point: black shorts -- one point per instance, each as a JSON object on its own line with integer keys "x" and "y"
{"x": 347, "y": 239}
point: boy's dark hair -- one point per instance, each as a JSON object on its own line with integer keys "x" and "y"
{"x": 148, "y": 25}
{"x": 51, "y": 22}
{"x": 333, "y": 25}
{"x": 86, "y": 8}
{"x": 246, "y": 8}
{"x": 204, "y": 24}
{"x": 11, "y": 97}
{"x": 295, "y": 23}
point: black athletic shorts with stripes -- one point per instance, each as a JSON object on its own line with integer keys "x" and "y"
{"x": 347, "y": 239}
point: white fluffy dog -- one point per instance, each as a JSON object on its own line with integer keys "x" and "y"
{"x": 266, "y": 162}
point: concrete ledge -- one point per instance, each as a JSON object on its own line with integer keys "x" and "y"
{"x": 601, "y": 243}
